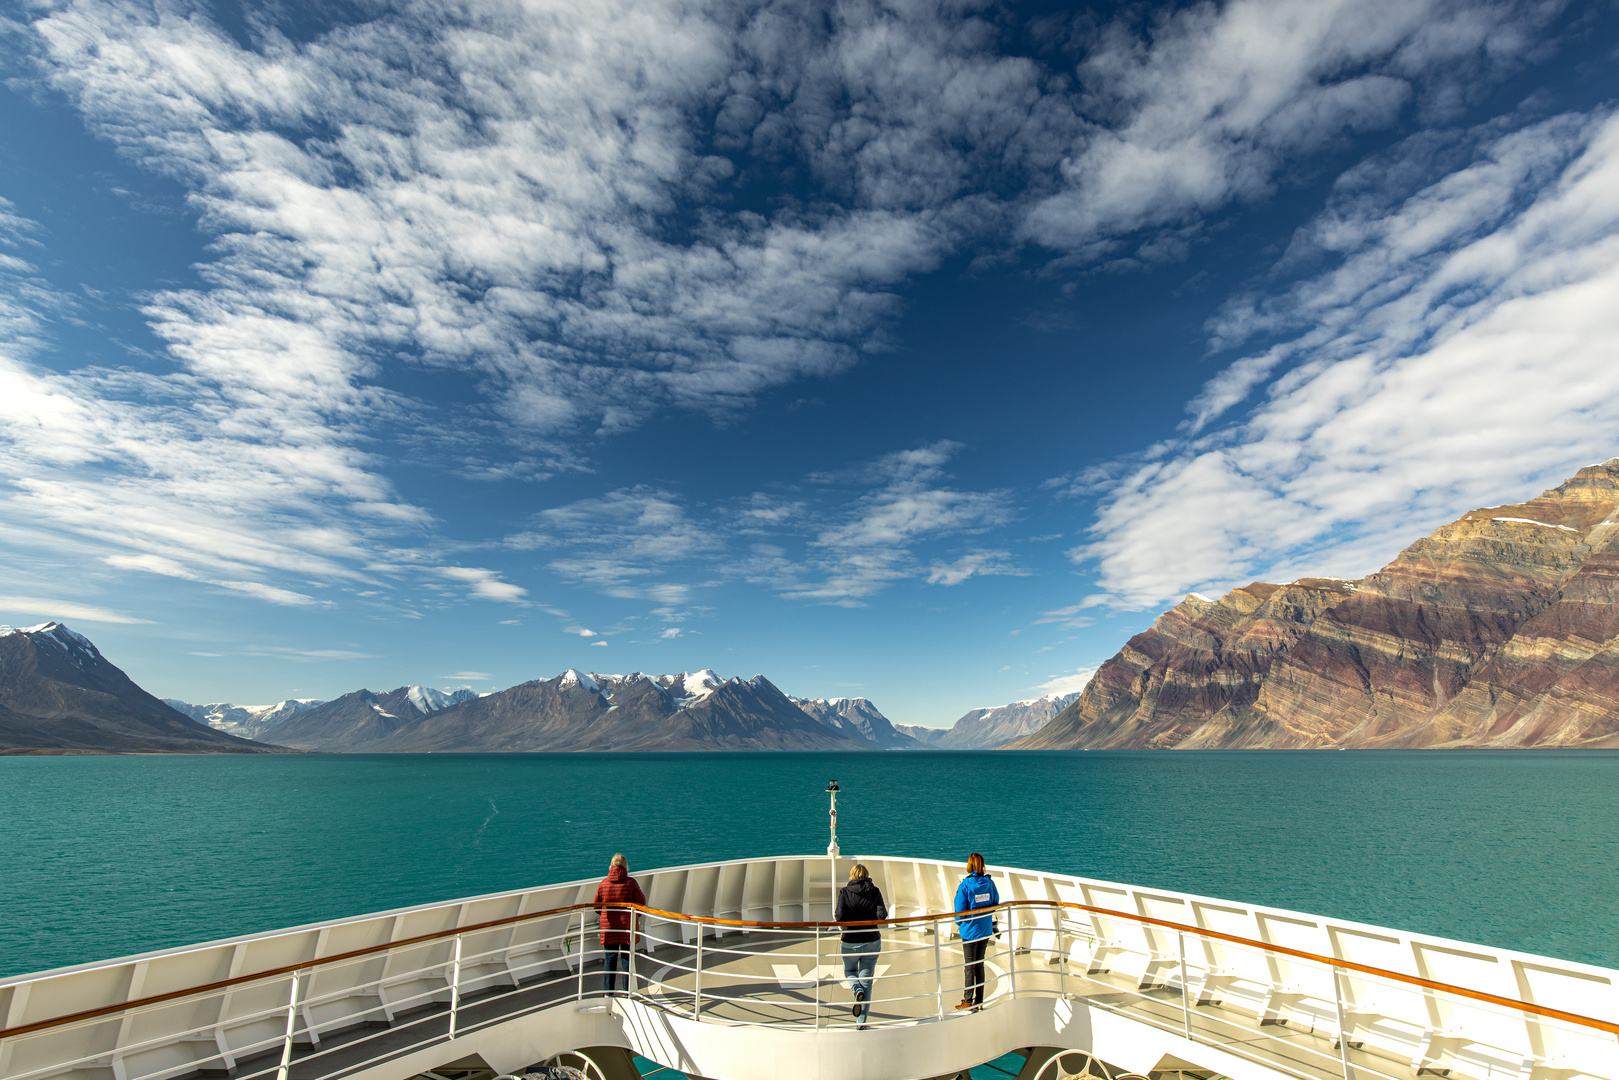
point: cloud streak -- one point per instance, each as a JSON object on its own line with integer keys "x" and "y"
{"x": 1458, "y": 350}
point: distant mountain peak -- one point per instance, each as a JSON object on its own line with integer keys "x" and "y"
{"x": 59, "y": 694}
{"x": 79, "y": 648}
{"x": 990, "y": 726}
{"x": 575, "y": 677}
{"x": 428, "y": 699}
{"x": 857, "y": 717}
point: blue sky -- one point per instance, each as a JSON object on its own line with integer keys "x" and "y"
{"x": 915, "y": 351}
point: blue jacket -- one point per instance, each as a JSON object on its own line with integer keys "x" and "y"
{"x": 976, "y": 891}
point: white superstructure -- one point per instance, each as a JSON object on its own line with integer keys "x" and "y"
{"x": 738, "y": 977}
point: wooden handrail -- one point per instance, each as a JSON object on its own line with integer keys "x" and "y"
{"x": 709, "y": 920}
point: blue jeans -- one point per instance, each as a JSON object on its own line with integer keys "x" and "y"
{"x": 615, "y": 966}
{"x": 859, "y": 967}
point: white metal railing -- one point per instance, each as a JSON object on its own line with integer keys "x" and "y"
{"x": 1313, "y": 1014}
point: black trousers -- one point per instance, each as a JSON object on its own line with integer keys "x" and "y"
{"x": 616, "y": 966}
{"x": 973, "y": 951}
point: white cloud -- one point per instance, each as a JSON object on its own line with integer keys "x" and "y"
{"x": 1069, "y": 617}
{"x": 1459, "y": 354}
{"x": 284, "y": 597}
{"x": 580, "y": 631}
{"x": 1071, "y": 683}
{"x": 670, "y": 633}
{"x": 1204, "y": 106}
{"x": 626, "y": 542}
{"x": 485, "y": 584}
{"x": 66, "y": 609}
{"x": 872, "y": 543}
{"x": 467, "y": 676}
{"x": 601, "y": 643}
{"x": 318, "y": 654}
{"x": 974, "y": 564}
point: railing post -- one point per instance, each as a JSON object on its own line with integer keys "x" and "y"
{"x": 1011, "y": 944}
{"x": 581, "y": 995}
{"x": 697, "y": 1004}
{"x": 455, "y": 985}
{"x": 292, "y": 1020}
{"x": 938, "y": 971}
{"x": 1186, "y": 1005}
{"x": 1343, "y": 1029}
{"x": 815, "y": 975}
{"x": 635, "y": 922}
{"x": 1062, "y": 955}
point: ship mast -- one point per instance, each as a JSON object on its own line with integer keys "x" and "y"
{"x": 832, "y": 848}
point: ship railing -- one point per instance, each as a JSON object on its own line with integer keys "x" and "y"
{"x": 1305, "y": 1014}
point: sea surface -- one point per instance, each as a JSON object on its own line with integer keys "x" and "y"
{"x": 108, "y": 856}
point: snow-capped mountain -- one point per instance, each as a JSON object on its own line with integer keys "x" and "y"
{"x": 58, "y": 694}
{"x": 857, "y": 717}
{"x": 428, "y": 700}
{"x": 360, "y": 717}
{"x": 251, "y": 721}
{"x": 573, "y": 711}
{"x": 244, "y": 720}
{"x": 993, "y": 725}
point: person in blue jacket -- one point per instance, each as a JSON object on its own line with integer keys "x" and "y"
{"x": 976, "y": 891}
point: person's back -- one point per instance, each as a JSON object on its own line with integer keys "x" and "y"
{"x": 975, "y": 892}
{"x": 617, "y": 888}
{"x": 860, "y": 901}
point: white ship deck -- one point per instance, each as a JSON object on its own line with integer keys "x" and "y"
{"x": 735, "y": 979}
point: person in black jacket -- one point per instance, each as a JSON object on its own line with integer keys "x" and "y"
{"x": 860, "y": 901}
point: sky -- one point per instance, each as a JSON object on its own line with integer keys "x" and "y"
{"x": 916, "y": 351}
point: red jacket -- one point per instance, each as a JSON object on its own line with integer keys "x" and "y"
{"x": 618, "y": 888}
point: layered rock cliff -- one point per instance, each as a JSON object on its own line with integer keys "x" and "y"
{"x": 1499, "y": 629}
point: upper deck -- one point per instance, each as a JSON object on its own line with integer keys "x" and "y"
{"x": 737, "y": 975}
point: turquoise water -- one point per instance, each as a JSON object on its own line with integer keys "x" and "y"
{"x": 106, "y": 856}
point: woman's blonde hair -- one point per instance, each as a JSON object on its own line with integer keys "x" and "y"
{"x": 858, "y": 871}
{"x": 975, "y": 863}
{"x": 619, "y": 860}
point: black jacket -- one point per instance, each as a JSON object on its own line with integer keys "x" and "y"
{"x": 860, "y": 901}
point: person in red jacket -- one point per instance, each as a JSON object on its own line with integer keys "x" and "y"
{"x": 617, "y": 888}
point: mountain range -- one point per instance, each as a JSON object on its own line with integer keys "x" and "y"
{"x": 243, "y": 720}
{"x": 1497, "y": 630}
{"x": 859, "y": 718}
{"x": 991, "y": 727}
{"x": 571, "y": 712}
{"x": 58, "y": 695}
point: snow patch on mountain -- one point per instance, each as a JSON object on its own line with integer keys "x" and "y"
{"x": 428, "y": 699}
{"x": 574, "y": 677}
{"x": 1532, "y": 521}
{"x": 78, "y": 648}
{"x": 242, "y": 720}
